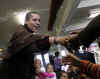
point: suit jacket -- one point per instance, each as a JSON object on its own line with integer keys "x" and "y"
{"x": 22, "y": 46}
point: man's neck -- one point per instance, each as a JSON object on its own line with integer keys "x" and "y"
{"x": 28, "y": 29}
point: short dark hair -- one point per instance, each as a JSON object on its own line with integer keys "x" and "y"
{"x": 29, "y": 14}
{"x": 57, "y": 53}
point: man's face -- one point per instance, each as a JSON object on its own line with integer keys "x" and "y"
{"x": 34, "y": 22}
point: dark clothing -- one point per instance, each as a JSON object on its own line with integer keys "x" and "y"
{"x": 51, "y": 58}
{"x": 22, "y": 47}
{"x": 86, "y": 56}
{"x": 87, "y": 35}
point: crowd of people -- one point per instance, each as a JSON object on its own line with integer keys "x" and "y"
{"x": 59, "y": 67}
{"x": 55, "y": 69}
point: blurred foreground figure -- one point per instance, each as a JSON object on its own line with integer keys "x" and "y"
{"x": 85, "y": 37}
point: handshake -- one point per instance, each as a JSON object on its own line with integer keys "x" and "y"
{"x": 70, "y": 42}
{"x": 65, "y": 41}
{"x": 62, "y": 40}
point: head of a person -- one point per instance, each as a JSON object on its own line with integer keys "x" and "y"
{"x": 32, "y": 20}
{"x": 37, "y": 63}
{"x": 49, "y": 68}
{"x": 64, "y": 75}
{"x": 56, "y": 53}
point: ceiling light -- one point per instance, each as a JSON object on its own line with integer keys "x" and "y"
{"x": 20, "y": 16}
{"x": 94, "y": 15}
{"x": 1, "y": 49}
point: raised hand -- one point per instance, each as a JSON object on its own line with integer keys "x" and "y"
{"x": 71, "y": 60}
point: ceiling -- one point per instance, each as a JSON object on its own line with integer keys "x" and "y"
{"x": 88, "y": 3}
{"x": 80, "y": 16}
{"x": 8, "y": 22}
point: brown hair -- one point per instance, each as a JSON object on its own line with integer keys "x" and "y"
{"x": 29, "y": 14}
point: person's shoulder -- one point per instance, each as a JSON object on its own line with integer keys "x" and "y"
{"x": 20, "y": 28}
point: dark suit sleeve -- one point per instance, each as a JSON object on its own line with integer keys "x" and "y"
{"x": 87, "y": 35}
{"x": 21, "y": 39}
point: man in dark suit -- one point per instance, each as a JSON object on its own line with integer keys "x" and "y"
{"x": 25, "y": 42}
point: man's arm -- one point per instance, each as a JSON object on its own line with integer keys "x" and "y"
{"x": 90, "y": 69}
{"x": 59, "y": 40}
{"x": 87, "y": 35}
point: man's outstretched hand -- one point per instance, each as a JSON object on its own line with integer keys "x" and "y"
{"x": 62, "y": 40}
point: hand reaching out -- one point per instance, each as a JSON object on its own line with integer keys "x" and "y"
{"x": 71, "y": 60}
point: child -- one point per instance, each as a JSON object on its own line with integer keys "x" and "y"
{"x": 64, "y": 75}
{"x": 39, "y": 72}
{"x": 50, "y": 71}
{"x": 37, "y": 66}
